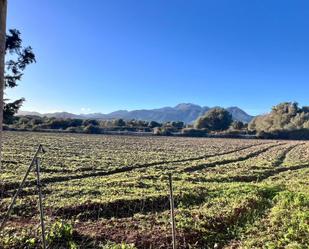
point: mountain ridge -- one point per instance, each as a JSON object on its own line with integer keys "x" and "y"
{"x": 186, "y": 112}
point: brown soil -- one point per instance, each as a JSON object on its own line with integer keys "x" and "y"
{"x": 129, "y": 231}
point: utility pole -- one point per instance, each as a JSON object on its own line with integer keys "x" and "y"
{"x": 3, "y": 14}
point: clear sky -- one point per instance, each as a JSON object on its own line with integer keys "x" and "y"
{"x": 101, "y": 56}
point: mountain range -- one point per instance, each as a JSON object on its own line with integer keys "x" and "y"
{"x": 185, "y": 112}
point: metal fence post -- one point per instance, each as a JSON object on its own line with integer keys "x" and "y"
{"x": 172, "y": 210}
{"x": 39, "y": 186}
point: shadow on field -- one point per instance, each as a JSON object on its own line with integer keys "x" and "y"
{"x": 280, "y": 159}
{"x": 227, "y": 161}
{"x": 123, "y": 208}
{"x": 254, "y": 178}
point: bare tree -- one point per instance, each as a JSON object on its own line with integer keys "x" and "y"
{"x": 3, "y": 11}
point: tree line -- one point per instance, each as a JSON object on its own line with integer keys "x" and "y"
{"x": 286, "y": 120}
{"x": 215, "y": 120}
{"x": 93, "y": 126}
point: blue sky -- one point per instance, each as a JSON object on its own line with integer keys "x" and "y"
{"x": 101, "y": 56}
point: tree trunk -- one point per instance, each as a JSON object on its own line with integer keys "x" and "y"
{"x": 3, "y": 10}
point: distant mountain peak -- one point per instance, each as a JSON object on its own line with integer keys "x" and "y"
{"x": 186, "y": 106}
{"x": 186, "y": 112}
{"x": 239, "y": 114}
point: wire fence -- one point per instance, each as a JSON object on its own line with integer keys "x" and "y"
{"x": 36, "y": 166}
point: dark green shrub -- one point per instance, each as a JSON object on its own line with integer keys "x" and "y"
{"x": 59, "y": 124}
{"x": 161, "y": 131}
{"x": 92, "y": 129}
{"x": 75, "y": 122}
{"x": 298, "y": 134}
{"x": 178, "y": 124}
{"x": 237, "y": 125}
{"x": 153, "y": 124}
{"x": 119, "y": 122}
{"x": 74, "y": 129}
{"x": 217, "y": 119}
{"x": 191, "y": 132}
{"x": 91, "y": 122}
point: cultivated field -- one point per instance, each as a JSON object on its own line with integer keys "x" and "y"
{"x": 104, "y": 191}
